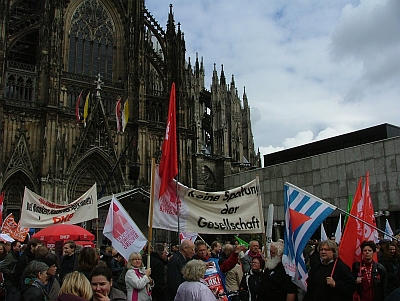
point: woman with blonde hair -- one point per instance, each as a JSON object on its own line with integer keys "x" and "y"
{"x": 194, "y": 288}
{"x": 138, "y": 279}
{"x": 75, "y": 287}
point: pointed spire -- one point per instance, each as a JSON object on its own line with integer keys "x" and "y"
{"x": 245, "y": 101}
{"x": 197, "y": 67}
{"x": 171, "y": 22}
{"x": 222, "y": 77}
{"x": 215, "y": 76}
{"x": 201, "y": 65}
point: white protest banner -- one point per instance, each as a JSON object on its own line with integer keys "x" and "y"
{"x": 234, "y": 211}
{"x": 124, "y": 234}
{"x": 37, "y": 212}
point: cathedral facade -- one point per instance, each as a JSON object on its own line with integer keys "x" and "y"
{"x": 54, "y": 52}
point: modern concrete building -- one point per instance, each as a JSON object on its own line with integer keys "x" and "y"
{"x": 330, "y": 169}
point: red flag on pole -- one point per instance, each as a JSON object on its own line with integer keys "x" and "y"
{"x": 369, "y": 232}
{"x": 169, "y": 160}
{"x": 78, "y": 119}
{"x": 357, "y": 231}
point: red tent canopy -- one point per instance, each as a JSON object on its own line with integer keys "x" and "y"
{"x": 64, "y": 232}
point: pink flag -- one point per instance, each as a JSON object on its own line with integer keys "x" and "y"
{"x": 124, "y": 234}
{"x": 187, "y": 236}
{"x": 169, "y": 160}
{"x": 78, "y": 119}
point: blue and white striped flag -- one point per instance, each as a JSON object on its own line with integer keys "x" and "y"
{"x": 323, "y": 233}
{"x": 388, "y": 230}
{"x": 304, "y": 213}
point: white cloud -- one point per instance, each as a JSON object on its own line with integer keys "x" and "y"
{"x": 312, "y": 69}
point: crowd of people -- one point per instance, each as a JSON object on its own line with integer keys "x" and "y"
{"x": 196, "y": 271}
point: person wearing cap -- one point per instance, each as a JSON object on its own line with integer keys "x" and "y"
{"x": 51, "y": 285}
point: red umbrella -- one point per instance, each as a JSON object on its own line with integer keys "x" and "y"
{"x": 63, "y": 232}
{"x": 51, "y": 244}
{"x": 85, "y": 244}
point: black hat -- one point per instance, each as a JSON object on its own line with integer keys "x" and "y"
{"x": 49, "y": 261}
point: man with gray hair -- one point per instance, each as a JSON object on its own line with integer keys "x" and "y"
{"x": 254, "y": 251}
{"x": 275, "y": 283}
{"x": 174, "y": 268}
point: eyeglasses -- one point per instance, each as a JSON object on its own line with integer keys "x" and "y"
{"x": 255, "y": 262}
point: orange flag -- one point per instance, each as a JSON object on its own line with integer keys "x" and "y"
{"x": 169, "y": 160}
{"x": 13, "y": 229}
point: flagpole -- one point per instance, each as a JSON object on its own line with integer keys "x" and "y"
{"x": 264, "y": 238}
{"x": 150, "y": 235}
{"x": 208, "y": 246}
{"x": 270, "y": 221}
{"x": 368, "y": 224}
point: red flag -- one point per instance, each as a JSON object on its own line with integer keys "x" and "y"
{"x": 118, "y": 114}
{"x": 78, "y": 119}
{"x": 169, "y": 159}
{"x": 356, "y": 231}
{"x": 369, "y": 232}
{"x": 1, "y": 207}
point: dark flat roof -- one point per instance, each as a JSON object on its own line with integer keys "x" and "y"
{"x": 372, "y": 134}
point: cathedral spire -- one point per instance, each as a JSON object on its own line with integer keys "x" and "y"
{"x": 222, "y": 77}
{"x": 197, "y": 68}
{"x": 245, "y": 101}
{"x": 215, "y": 76}
{"x": 171, "y": 22}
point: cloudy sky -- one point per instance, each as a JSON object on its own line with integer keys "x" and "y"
{"x": 312, "y": 69}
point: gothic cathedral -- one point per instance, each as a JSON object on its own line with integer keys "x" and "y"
{"x": 64, "y": 65}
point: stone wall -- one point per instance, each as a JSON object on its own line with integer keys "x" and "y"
{"x": 333, "y": 177}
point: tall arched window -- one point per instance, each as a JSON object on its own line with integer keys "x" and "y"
{"x": 91, "y": 40}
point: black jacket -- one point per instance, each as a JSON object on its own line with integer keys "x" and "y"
{"x": 30, "y": 292}
{"x": 318, "y": 289}
{"x": 158, "y": 269}
{"x": 174, "y": 275}
{"x": 68, "y": 264}
{"x": 379, "y": 277}
{"x": 275, "y": 285}
{"x": 26, "y": 257}
{"x": 7, "y": 267}
{"x": 251, "y": 283}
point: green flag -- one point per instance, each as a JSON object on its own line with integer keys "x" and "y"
{"x": 242, "y": 242}
{"x": 349, "y": 204}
